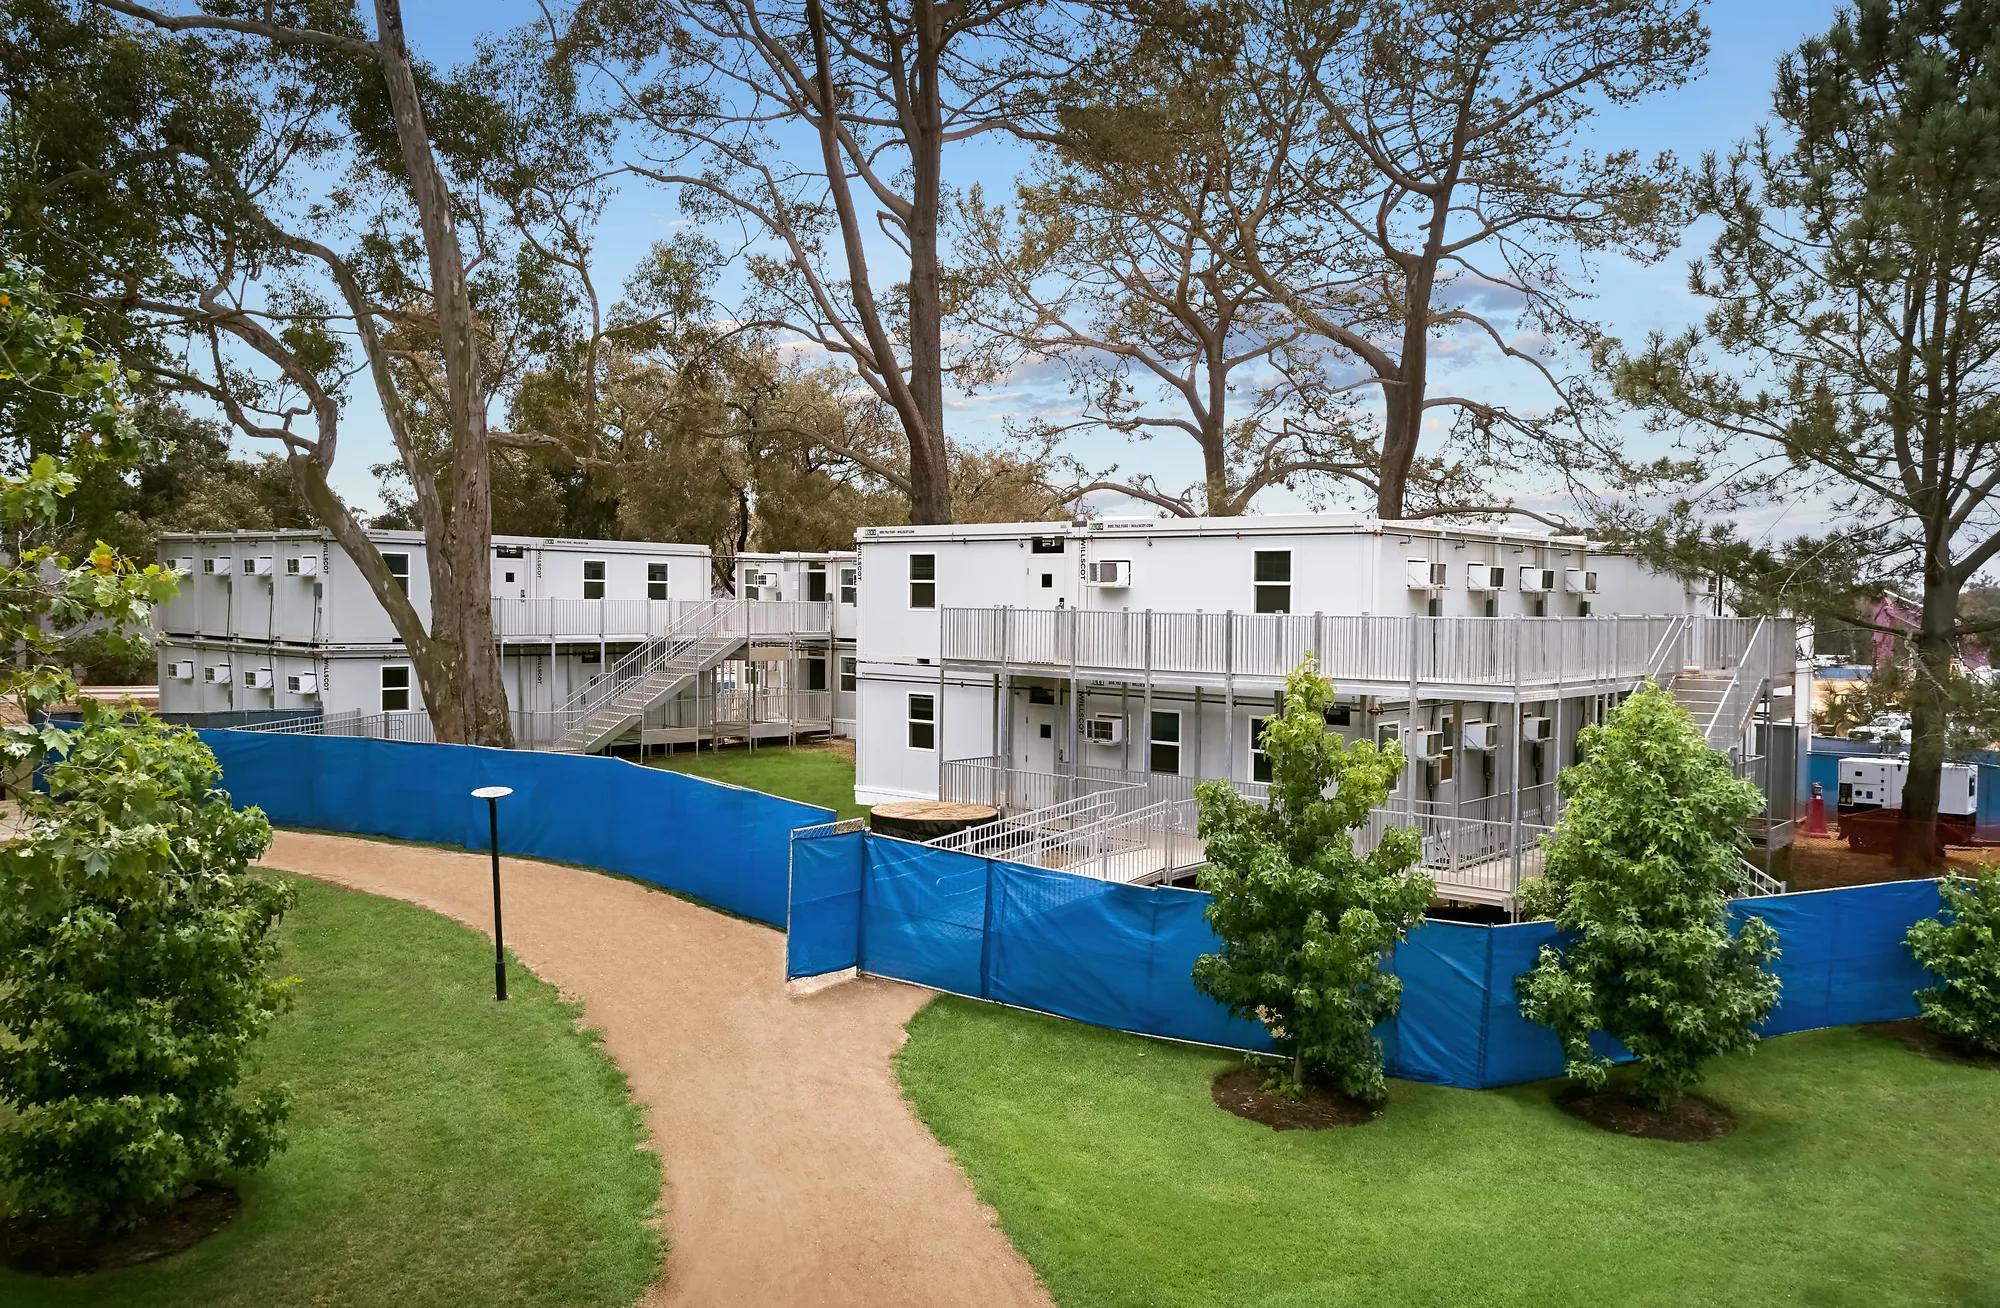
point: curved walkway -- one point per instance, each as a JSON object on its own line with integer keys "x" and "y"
{"x": 796, "y": 1174}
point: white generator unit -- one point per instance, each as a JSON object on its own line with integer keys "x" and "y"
{"x": 1104, "y": 729}
{"x": 1538, "y": 581}
{"x": 1484, "y": 577}
{"x": 1870, "y": 800}
{"x": 1111, "y": 574}
{"x": 1425, "y": 575}
{"x": 302, "y": 683}
{"x": 1580, "y": 581}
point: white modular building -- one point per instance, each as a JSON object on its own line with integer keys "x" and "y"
{"x": 829, "y": 577}
{"x": 1095, "y": 671}
{"x": 624, "y": 634}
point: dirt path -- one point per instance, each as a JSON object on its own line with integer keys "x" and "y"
{"x": 795, "y": 1172}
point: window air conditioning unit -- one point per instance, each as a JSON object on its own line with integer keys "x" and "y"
{"x": 216, "y": 674}
{"x": 1425, "y": 745}
{"x": 1538, "y": 581}
{"x": 302, "y": 565}
{"x": 1535, "y": 729}
{"x": 1104, "y": 729}
{"x": 1480, "y": 576}
{"x": 302, "y": 683}
{"x": 1480, "y": 735}
{"x": 257, "y": 678}
{"x": 1111, "y": 574}
{"x": 257, "y": 567}
{"x": 1580, "y": 581}
{"x": 1425, "y": 575}
{"x": 181, "y": 670}
{"x": 218, "y": 565}
{"x": 185, "y": 565}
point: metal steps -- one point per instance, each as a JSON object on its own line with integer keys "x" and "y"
{"x": 656, "y": 671}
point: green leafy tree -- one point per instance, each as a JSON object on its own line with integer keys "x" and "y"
{"x": 134, "y": 948}
{"x": 1961, "y": 948}
{"x": 1639, "y": 872}
{"x": 1306, "y": 921}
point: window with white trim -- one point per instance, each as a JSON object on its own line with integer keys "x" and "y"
{"x": 1260, "y": 762}
{"x": 923, "y": 581}
{"x": 1163, "y": 743}
{"x": 593, "y": 578}
{"x": 923, "y": 722}
{"x": 656, "y": 581}
{"x": 399, "y": 569}
{"x": 395, "y": 687}
{"x": 847, "y": 674}
{"x": 1273, "y": 571}
{"x": 848, "y": 585}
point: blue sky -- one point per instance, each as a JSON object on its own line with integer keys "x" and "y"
{"x": 1723, "y": 105}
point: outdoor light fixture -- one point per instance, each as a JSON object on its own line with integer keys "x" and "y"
{"x": 493, "y": 795}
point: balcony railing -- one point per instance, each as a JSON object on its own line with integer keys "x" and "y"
{"x": 638, "y": 619}
{"x": 1383, "y": 650}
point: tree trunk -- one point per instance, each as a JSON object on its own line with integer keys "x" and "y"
{"x": 1399, "y": 449}
{"x": 1917, "y": 833}
{"x": 930, "y": 476}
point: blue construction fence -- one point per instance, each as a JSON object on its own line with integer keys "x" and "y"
{"x": 721, "y": 844}
{"x": 1122, "y": 956}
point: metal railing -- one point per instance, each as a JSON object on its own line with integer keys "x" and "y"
{"x": 639, "y": 619}
{"x": 1724, "y": 728}
{"x": 1514, "y": 651}
{"x": 1157, "y": 840}
{"x": 1023, "y": 836}
{"x": 1461, "y": 853}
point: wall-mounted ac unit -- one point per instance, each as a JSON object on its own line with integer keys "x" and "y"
{"x": 1580, "y": 581}
{"x": 1478, "y": 734}
{"x": 302, "y": 565}
{"x": 1425, "y": 575}
{"x": 302, "y": 683}
{"x": 1111, "y": 574}
{"x": 218, "y": 565}
{"x": 181, "y": 670}
{"x": 1480, "y": 576}
{"x": 1424, "y": 744}
{"x": 185, "y": 565}
{"x": 1104, "y": 729}
{"x": 1538, "y": 580}
{"x": 1535, "y": 729}
{"x": 216, "y": 674}
{"x": 257, "y": 678}
{"x": 260, "y": 566}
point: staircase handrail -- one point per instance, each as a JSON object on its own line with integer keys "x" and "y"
{"x": 1745, "y": 684}
{"x": 653, "y": 655}
{"x": 1661, "y": 661}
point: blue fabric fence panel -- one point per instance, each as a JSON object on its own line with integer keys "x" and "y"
{"x": 1122, "y": 956}
{"x": 721, "y": 844}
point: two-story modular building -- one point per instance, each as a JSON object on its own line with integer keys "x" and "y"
{"x": 828, "y": 577}
{"x": 1049, "y": 667}
{"x": 272, "y": 626}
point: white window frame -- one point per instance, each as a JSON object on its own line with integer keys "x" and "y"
{"x": 850, "y": 585}
{"x": 400, "y": 572}
{"x": 1258, "y": 586}
{"x": 928, "y": 722}
{"x": 1155, "y": 741}
{"x": 849, "y": 668}
{"x": 601, "y": 581}
{"x": 663, "y": 581}
{"x": 407, "y": 688}
{"x": 929, "y": 583}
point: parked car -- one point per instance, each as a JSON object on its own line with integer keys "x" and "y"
{"x": 1886, "y": 728}
{"x": 1828, "y": 661}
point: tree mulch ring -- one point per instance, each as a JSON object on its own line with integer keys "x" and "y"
{"x": 1688, "y": 1118}
{"x": 1911, "y": 1033}
{"x": 56, "y": 1249}
{"x": 1241, "y": 1091}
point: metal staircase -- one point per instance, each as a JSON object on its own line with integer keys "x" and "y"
{"x": 656, "y": 671}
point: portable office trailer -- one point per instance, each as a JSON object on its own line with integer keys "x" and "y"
{"x": 832, "y": 576}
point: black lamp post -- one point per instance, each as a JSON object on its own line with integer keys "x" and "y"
{"x": 493, "y": 795}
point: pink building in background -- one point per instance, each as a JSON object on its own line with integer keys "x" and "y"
{"x": 1906, "y": 614}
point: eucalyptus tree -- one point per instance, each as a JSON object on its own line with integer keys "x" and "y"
{"x": 1850, "y": 356}
{"x": 820, "y": 129}
{"x": 1429, "y": 181}
{"x": 338, "y": 216}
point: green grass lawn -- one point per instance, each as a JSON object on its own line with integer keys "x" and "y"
{"x": 1861, "y": 1173}
{"x": 811, "y": 774}
{"x": 446, "y": 1150}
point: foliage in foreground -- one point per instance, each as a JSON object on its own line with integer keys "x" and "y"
{"x": 1961, "y": 947}
{"x": 1305, "y": 921}
{"x": 135, "y": 978}
{"x": 1639, "y": 872}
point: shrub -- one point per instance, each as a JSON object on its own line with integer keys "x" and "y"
{"x": 1961, "y": 948}
{"x": 1640, "y": 871}
{"x": 1306, "y": 922}
{"x": 135, "y": 976}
